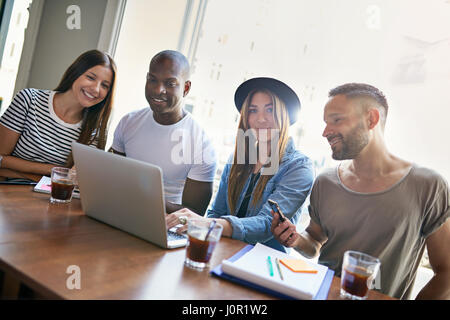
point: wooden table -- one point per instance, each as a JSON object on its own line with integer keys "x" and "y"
{"x": 39, "y": 241}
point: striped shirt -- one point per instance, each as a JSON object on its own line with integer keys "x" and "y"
{"x": 44, "y": 137}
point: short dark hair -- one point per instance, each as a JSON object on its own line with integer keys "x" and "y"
{"x": 174, "y": 56}
{"x": 354, "y": 90}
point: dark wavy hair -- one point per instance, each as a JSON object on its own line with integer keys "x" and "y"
{"x": 94, "y": 127}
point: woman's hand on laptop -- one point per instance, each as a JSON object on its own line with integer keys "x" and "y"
{"x": 179, "y": 219}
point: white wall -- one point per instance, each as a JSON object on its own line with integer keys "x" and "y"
{"x": 57, "y": 46}
{"x": 148, "y": 27}
{"x": 317, "y": 45}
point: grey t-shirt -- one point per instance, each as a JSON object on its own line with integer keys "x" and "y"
{"x": 391, "y": 225}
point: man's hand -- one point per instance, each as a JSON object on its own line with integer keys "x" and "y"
{"x": 285, "y": 232}
{"x": 308, "y": 243}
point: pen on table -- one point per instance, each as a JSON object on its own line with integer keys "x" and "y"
{"x": 279, "y": 268}
{"x": 269, "y": 264}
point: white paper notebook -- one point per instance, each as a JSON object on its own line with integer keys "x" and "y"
{"x": 253, "y": 267}
{"x": 45, "y": 186}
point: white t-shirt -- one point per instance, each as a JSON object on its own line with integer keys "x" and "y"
{"x": 181, "y": 150}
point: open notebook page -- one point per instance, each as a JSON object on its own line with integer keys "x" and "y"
{"x": 253, "y": 267}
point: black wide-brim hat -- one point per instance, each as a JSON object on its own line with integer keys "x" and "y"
{"x": 285, "y": 93}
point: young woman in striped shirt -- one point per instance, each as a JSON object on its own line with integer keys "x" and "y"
{"x": 37, "y": 129}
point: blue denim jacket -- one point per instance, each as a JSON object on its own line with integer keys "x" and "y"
{"x": 289, "y": 187}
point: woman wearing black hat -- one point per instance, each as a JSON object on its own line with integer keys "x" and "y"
{"x": 265, "y": 165}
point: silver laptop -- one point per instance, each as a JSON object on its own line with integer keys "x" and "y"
{"x": 124, "y": 193}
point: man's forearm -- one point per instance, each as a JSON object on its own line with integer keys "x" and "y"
{"x": 438, "y": 288}
{"x": 172, "y": 207}
{"x": 307, "y": 246}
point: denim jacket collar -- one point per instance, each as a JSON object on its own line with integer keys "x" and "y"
{"x": 290, "y": 149}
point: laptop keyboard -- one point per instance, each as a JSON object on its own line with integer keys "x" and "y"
{"x": 175, "y": 236}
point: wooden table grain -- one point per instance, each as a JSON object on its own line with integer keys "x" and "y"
{"x": 39, "y": 241}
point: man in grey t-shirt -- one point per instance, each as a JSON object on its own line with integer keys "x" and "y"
{"x": 374, "y": 202}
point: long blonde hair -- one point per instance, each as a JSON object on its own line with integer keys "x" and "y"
{"x": 239, "y": 173}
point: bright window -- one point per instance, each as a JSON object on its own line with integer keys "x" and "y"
{"x": 401, "y": 47}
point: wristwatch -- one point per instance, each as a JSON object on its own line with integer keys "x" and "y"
{"x": 1, "y": 158}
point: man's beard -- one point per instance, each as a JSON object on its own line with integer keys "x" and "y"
{"x": 352, "y": 144}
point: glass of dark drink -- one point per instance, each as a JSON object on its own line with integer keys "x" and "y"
{"x": 358, "y": 273}
{"x": 63, "y": 183}
{"x": 202, "y": 239}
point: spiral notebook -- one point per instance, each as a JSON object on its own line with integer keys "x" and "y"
{"x": 249, "y": 267}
